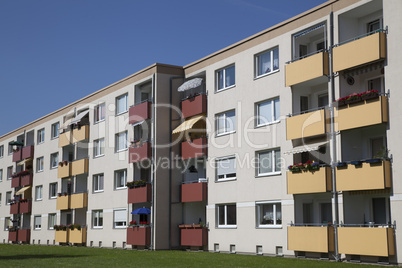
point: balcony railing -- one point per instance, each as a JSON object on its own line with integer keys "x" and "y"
{"x": 78, "y": 236}
{"x": 306, "y": 125}
{"x": 17, "y": 155}
{"x": 63, "y": 202}
{"x": 25, "y": 206}
{"x": 194, "y": 192}
{"x": 24, "y": 235}
{"x": 15, "y": 208}
{"x": 140, "y": 194}
{"x": 13, "y": 236}
{"x": 64, "y": 170}
{"x": 26, "y": 179}
{"x": 61, "y": 236}
{"x": 139, "y": 236}
{"x": 139, "y": 153}
{"x": 65, "y": 138}
{"x": 193, "y": 149}
{"x": 79, "y": 200}
{"x": 304, "y": 182}
{"x": 193, "y": 235}
{"x": 194, "y": 105}
{"x": 311, "y": 238}
{"x": 140, "y": 112}
{"x": 79, "y": 167}
{"x": 74, "y": 135}
{"x": 15, "y": 181}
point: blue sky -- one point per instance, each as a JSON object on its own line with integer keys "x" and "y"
{"x": 54, "y": 52}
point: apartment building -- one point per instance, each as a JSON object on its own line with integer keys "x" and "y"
{"x": 281, "y": 144}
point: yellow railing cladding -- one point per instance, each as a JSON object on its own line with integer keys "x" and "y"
{"x": 79, "y": 167}
{"x": 303, "y": 182}
{"x": 306, "y": 125}
{"x": 310, "y": 238}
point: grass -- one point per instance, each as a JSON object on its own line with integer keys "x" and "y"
{"x": 58, "y": 256}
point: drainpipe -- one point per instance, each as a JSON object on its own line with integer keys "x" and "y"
{"x": 332, "y": 135}
{"x": 153, "y": 113}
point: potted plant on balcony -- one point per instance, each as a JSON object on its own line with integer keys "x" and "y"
{"x": 356, "y": 162}
{"x": 295, "y": 167}
{"x": 139, "y": 183}
{"x": 340, "y": 164}
{"x": 369, "y": 94}
{"x": 130, "y": 184}
{"x": 60, "y": 164}
{"x": 65, "y": 162}
{"x": 133, "y": 223}
{"x": 60, "y": 227}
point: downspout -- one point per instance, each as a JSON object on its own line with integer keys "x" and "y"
{"x": 152, "y": 165}
{"x": 332, "y": 134}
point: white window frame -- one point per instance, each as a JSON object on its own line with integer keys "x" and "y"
{"x": 53, "y": 186}
{"x": 55, "y": 130}
{"x": 274, "y": 204}
{"x": 41, "y": 136}
{"x": 117, "y": 142}
{"x": 39, "y": 164}
{"x": 1, "y": 151}
{"x": 9, "y": 172}
{"x": 52, "y": 220}
{"x": 96, "y": 182}
{"x": 117, "y": 178}
{"x": 257, "y": 58}
{"x": 115, "y": 222}
{"x": 54, "y": 164}
{"x": 225, "y": 225}
{"x": 223, "y": 70}
{"x": 262, "y": 121}
{"x": 117, "y": 104}
{"x": 99, "y": 147}
{"x": 223, "y": 159}
{"x": 8, "y": 197}
{"x": 273, "y": 162}
{"x": 223, "y": 117}
{"x": 37, "y": 225}
{"x": 39, "y": 193}
{"x": 97, "y": 216}
{"x": 98, "y": 112}
{"x": 6, "y": 223}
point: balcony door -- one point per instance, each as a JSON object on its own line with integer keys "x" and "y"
{"x": 379, "y": 210}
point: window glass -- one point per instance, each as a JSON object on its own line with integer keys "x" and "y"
{"x": 55, "y": 130}
{"x": 226, "y": 168}
{"x": 121, "y": 104}
{"x": 225, "y": 78}
{"x": 98, "y": 183}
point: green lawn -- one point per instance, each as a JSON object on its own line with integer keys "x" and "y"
{"x": 57, "y": 256}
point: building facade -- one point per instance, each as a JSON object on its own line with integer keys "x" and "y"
{"x": 281, "y": 144}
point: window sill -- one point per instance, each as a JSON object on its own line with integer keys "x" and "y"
{"x": 268, "y": 124}
{"x": 224, "y": 89}
{"x": 226, "y": 133}
{"x": 226, "y": 227}
{"x": 40, "y": 143}
{"x": 269, "y": 174}
{"x": 53, "y": 167}
{"x": 120, "y": 227}
{"x": 53, "y": 138}
{"x": 122, "y": 150}
{"x": 97, "y": 192}
{"x": 224, "y": 180}
{"x": 100, "y": 121}
{"x": 269, "y": 227}
{"x": 39, "y": 171}
{"x": 267, "y": 74}
{"x": 36, "y": 200}
{"x": 37, "y": 229}
{"x": 122, "y": 113}
{"x": 97, "y": 228}
{"x": 53, "y": 197}
{"x": 120, "y": 188}
{"x": 101, "y": 155}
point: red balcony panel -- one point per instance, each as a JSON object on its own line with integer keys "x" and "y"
{"x": 194, "y": 149}
{"x": 139, "y": 236}
{"x": 194, "y": 236}
{"x": 193, "y": 106}
{"x": 139, "y": 112}
{"x": 12, "y": 236}
{"x": 27, "y": 152}
{"x": 15, "y": 208}
{"x": 139, "y": 153}
{"x": 25, "y": 207}
{"x": 194, "y": 192}
{"x": 140, "y": 194}
{"x": 16, "y": 181}
{"x": 24, "y": 235}
{"x": 26, "y": 179}
{"x": 17, "y": 155}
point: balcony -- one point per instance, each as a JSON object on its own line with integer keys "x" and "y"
{"x": 361, "y": 51}
{"x": 361, "y": 114}
{"x": 17, "y": 155}
{"x": 61, "y": 236}
{"x": 64, "y": 170}
{"x": 306, "y": 182}
{"x": 79, "y": 167}
{"x": 364, "y": 176}
{"x": 79, "y": 200}
{"x": 63, "y": 202}
{"x": 15, "y": 208}
{"x": 194, "y": 192}
{"x": 78, "y": 236}
{"x": 139, "y": 236}
{"x": 194, "y": 149}
{"x": 140, "y": 194}
{"x": 26, "y": 179}
{"x": 311, "y": 239}
{"x": 140, "y": 112}
{"x": 64, "y": 139}
{"x": 15, "y": 181}
{"x": 193, "y": 235}
{"x": 307, "y": 69}
{"x": 12, "y": 236}
{"x": 194, "y": 106}
{"x": 25, "y": 206}
{"x": 139, "y": 153}
{"x": 366, "y": 241}
{"x": 306, "y": 125}
{"x": 80, "y": 134}
{"x": 27, "y": 152}
{"x": 24, "y": 235}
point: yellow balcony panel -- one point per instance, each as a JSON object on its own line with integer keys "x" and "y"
{"x": 311, "y": 238}
{"x": 366, "y": 241}
{"x": 306, "y": 125}
{"x": 64, "y": 171}
{"x": 307, "y": 69}
{"x": 61, "y": 236}
{"x": 65, "y": 139}
{"x": 79, "y": 200}
{"x": 78, "y": 236}
{"x": 361, "y": 114}
{"x": 80, "y": 134}
{"x": 361, "y": 51}
{"x": 303, "y": 182}
{"x": 364, "y": 177}
{"x": 63, "y": 202}
{"x": 79, "y": 167}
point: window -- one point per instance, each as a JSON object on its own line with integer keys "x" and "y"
{"x": 39, "y": 164}
{"x": 0, "y": 199}
{"x": 226, "y": 122}
{"x": 97, "y": 218}
{"x": 226, "y": 168}
{"x": 376, "y": 84}
{"x": 119, "y": 218}
{"x": 226, "y": 215}
{"x": 99, "y": 147}
{"x": 269, "y": 214}
{"x": 373, "y": 26}
{"x": 10, "y": 149}
{"x": 121, "y": 104}
{"x": 267, "y": 62}
{"x": 6, "y": 223}
{"x": 99, "y": 113}
{"x": 98, "y": 183}
{"x": 51, "y": 221}
{"x": 41, "y": 136}
{"x": 38, "y": 192}
{"x": 53, "y": 190}
{"x": 1, "y": 174}
{"x": 225, "y": 78}
{"x": 121, "y": 141}
{"x": 38, "y": 222}
{"x": 269, "y": 162}
{"x": 55, "y": 130}
{"x": 54, "y": 160}
{"x": 9, "y": 172}
{"x": 268, "y": 112}
{"x": 120, "y": 179}
{"x": 1, "y": 151}
{"x": 8, "y": 198}
{"x": 377, "y": 147}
